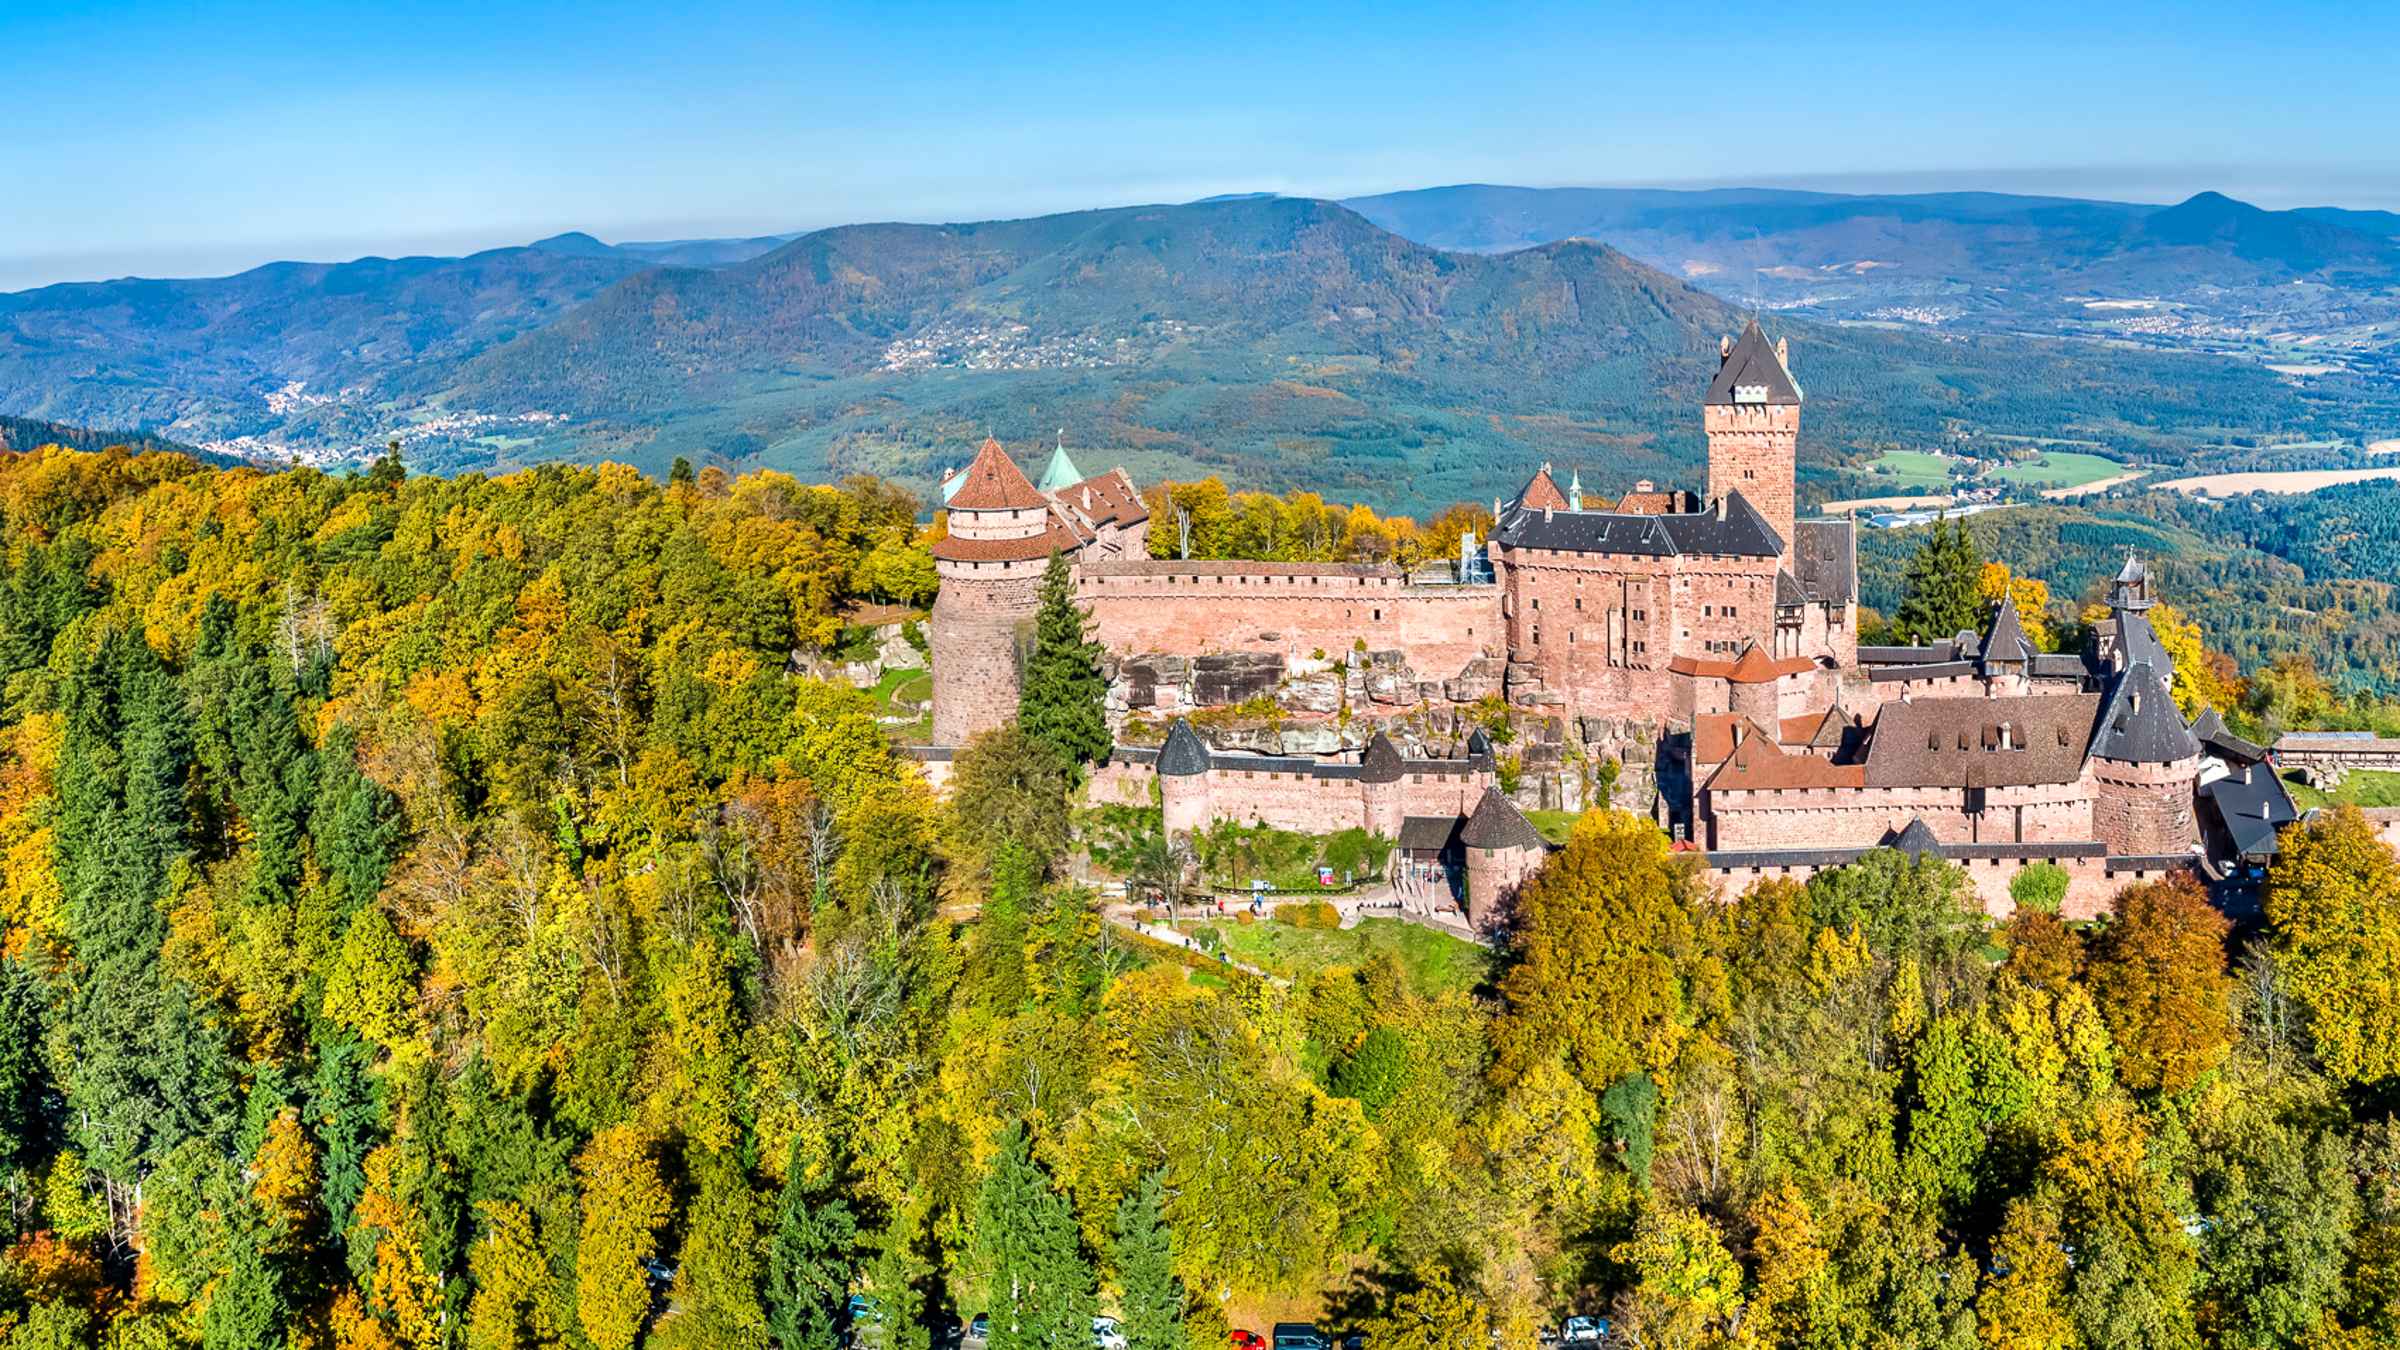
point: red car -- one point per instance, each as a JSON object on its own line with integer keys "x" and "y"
{"x": 1246, "y": 1340}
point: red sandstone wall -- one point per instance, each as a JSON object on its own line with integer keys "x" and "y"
{"x": 1754, "y": 450}
{"x": 2090, "y": 891}
{"x": 1439, "y": 628}
{"x": 1285, "y": 800}
{"x": 1861, "y": 817}
{"x": 2147, "y": 809}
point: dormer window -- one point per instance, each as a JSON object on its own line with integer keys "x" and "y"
{"x": 1749, "y": 393}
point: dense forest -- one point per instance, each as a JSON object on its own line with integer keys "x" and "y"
{"x": 441, "y": 913}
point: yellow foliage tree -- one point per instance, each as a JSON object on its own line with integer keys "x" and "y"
{"x": 2033, "y": 601}
{"x": 624, "y": 1202}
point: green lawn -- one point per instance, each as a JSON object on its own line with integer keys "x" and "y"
{"x": 2358, "y": 789}
{"x": 1434, "y": 962}
{"x": 914, "y": 687}
{"x": 2059, "y": 468}
{"x": 1913, "y": 469}
{"x": 1555, "y": 825}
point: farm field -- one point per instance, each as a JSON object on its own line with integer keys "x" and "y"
{"x": 2060, "y": 469}
{"x": 1913, "y": 468}
{"x": 2278, "y": 481}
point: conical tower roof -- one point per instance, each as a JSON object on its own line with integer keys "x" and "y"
{"x": 993, "y": 482}
{"x": 1382, "y": 763}
{"x": 2007, "y": 640}
{"x": 1184, "y": 754}
{"x": 1498, "y": 824}
{"x": 1061, "y": 473}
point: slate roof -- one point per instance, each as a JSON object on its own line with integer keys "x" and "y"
{"x": 1787, "y": 589}
{"x": 1737, "y": 530}
{"x": 2138, "y": 642}
{"x": 1916, "y": 839}
{"x": 2253, "y": 805}
{"x": 1429, "y": 834}
{"x": 2007, "y": 641}
{"x": 992, "y": 482}
{"x": 1382, "y": 762}
{"x": 1185, "y": 753}
{"x": 1752, "y": 364}
{"x": 1955, "y": 742}
{"x": 1825, "y": 560}
{"x": 2059, "y": 666}
{"x": 2210, "y": 730}
{"x": 2139, "y": 724}
{"x": 1498, "y": 824}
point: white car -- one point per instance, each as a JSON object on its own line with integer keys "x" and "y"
{"x": 1107, "y": 1334}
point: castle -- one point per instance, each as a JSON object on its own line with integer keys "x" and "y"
{"x": 1707, "y": 643}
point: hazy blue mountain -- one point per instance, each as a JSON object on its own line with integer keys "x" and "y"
{"x": 27, "y": 433}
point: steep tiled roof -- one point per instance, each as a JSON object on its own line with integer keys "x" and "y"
{"x": 1382, "y": 762}
{"x": 992, "y": 482}
{"x": 1715, "y": 734}
{"x": 1955, "y": 742}
{"x": 1648, "y": 504}
{"x": 1541, "y": 494}
{"x": 1759, "y": 765}
{"x": 1753, "y": 666}
{"x": 1498, "y": 824}
{"x": 1104, "y": 499}
{"x": 2210, "y": 730}
{"x": 1752, "y": 365}
{"x": 1185, "y": 753}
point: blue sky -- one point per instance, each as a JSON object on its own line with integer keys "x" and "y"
{"x": 198, "y": 138}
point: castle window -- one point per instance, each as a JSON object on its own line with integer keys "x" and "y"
{"x": 1579, "y": 600}
{"x": 1537, "y": 602}
{"x": 1379, "y": 616}
{"x": 1707, "y": 611}
{"x": 1537, "y": 635}
{"x": 1729, "y": 611}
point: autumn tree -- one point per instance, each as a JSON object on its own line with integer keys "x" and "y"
{"x": 2333, "y": 894}
{"x": 624, "y": 1202}
{"x": 1009, "y": 788}
{"x": 2158, "y": 974}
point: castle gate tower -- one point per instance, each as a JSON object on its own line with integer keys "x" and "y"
{"x": 1752, "y": 416}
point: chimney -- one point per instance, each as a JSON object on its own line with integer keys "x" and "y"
{"x": 2007, "y": 737}
{"x": 1644, "y": 485}
{"x": 1545, "y": 515}
{"x": 1783, "y": 352}
{"x": 1720, "y": 508}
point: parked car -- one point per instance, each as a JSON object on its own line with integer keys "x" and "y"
{"x": 979, "y": 1332}
{"x": 1300, "y": 1336}
{"x": 1107, "y": 1334}
{"x": 1584, "y": 1331}
{"x": 1245, "y": 1340}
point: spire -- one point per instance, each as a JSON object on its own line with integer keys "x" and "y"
{"x": 1061, "y": 472}
{"x": 1498, "y": 824}
{"x": 1184, "y": 754}
{"x": 2007, "y": 641}
{"x": 1382, "y": 762}
{"x": 1575, "y": 490}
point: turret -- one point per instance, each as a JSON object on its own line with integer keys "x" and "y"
{"x": 1379, "y": 773}
{"x": 1503, "y": 849}
{"x": 1752, "y": 417}
{"x": 2144, "y": 755}
{"x": 1183, "y": 765}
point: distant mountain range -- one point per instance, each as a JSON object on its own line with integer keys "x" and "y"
{"x": 1426, "y": 347}
{"x": 26, "y": 433}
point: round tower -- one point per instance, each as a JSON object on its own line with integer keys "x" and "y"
{"x": 1379, "y": 773}
{"x": 990, "y": 563}
{"x": 1502, "y": 849}
{"x": 1183, "y": 764}
{"x": 2147, "y": 765}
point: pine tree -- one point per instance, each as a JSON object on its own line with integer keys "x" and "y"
{"x": 1945, "y": 587}
{"x": 1151, "y": 1297}
{"x": 810, "y": 1261}
{"x": 1064, "y": 700}
{"x": 1043, "y": 1293}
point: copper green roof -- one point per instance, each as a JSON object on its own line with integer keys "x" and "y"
{"x": 1061, "y": 473}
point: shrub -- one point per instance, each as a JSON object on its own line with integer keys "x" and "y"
{"x": 1308, "y": 914}
{"x": 2039, "y": 886}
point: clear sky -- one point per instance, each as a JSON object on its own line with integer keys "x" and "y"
{"x": 196, "y": 138}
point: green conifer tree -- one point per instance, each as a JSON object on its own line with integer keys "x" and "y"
{"x": 1944, "y": 596}
{"x": 1063, "y": 703}
{"x": 1042, "y": 1289}
{"x": 1150, "y": 1295}
{"x": 810, "y": 1261}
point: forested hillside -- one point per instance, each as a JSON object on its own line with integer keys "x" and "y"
{"x": 436, "y": 913}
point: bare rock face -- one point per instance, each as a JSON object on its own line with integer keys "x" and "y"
{"x": 1152, "y": 679}
{"x": 1312, "y": 740}
{"x": 895, "y": 652}
{"x": 1391, "y": 687}
{"x": 1479, "y": 680}
{"x": 1318, "y": 693}
{"x": 1234, "y": 677}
